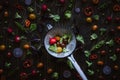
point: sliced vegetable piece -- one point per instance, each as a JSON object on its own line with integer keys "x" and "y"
{"x": 80, "y": 38}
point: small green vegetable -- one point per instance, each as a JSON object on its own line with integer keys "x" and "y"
{"x": 98, "y": 45}
{"x": 33, "y": 27}
{"x": 30, "y": 9}
{"x": 90, "y": 72}
{"x": 55, "y": 75}
{"x": 17, "y": 16}
{"x": 53, "y": 48}
{"x": 68, "y": 14}
{"x": 80, "y": 38}
{"x": 70, "y": 64}
{"x": 7, "y": 64}
{"x": 114, "y": 57}
{"x": 96, "y": 17}
{"x": 102, "y": 31}
{"x": 110, "y": 43}
{"x": 20, "y": 26}
{"x": 87, "y": 53}
{"x": 93, "y": 36}
{"x": 55, "y": 17}
{"x": 88, "y": 63}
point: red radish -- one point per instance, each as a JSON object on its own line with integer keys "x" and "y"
{"x": 17, "y": 39}
{"x": 52, "y": 41}
{"x": 62, "y": 1}
{"x": 10, "y": 30}
{"x": 109, "y": 18}
{"x": 44, "y": 7}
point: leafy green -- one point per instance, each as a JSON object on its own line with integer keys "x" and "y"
{"x": 70, "y": 64}
{"x": 102, "y": 31}
{"x": 65, "y": 50}
{"x": 114, "y": 57}
{"x": 93, "y": 36}
{"x": 55, "y": 75}
{"x": 53, "y": 48}
{"x": 17, "y": 16}
{"x": 30, "y": 9}
{"x": 90, "y": 72}
{"x": 68, "y": 14}
{"x": 88, "y": 63}
{"x": 67, "y": 36}
{"x": 20, "y": 26}
{"x": 33, "y": 27}
{"x": 98, "y": 45}
{"x": 80, "y": 38}
{"x": 96, "y": 17}
{"x": 110, "y": 42}
{"x": 55, "y": 17}
{"x": 87, "y": 53}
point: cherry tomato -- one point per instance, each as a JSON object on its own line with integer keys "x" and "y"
{"x": 116, "y": 67}
{"x": 1, "y": 71}
{"x": 40, "y": 65}
{"x": 57, "y": 38}
{"x": 32, "y": 16}
{"x": 2, "y": 47}
{"x": 44, "y": 7}
{"x": 94, "y": 27}
{"x": 95, "y": 1}
{"x": 6, "y": 14}
{"x": 59, "y": 49}
{"x": 50, "y": 70}
{"x": 26, "y": 46}
{"x": 89, "y": 19}
{"x": 52, "y": 41}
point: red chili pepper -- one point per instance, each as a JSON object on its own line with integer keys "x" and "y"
{"x": 116, "y": 7}
{"x": 93, "y": 56}
{"x": 88, "y": 11}
{"x": 18, "y": 6}
{"x": 117, "y": 40}
{"x": 27, "y": 63}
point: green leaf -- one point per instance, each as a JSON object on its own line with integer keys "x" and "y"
{"x": 70, "y": 64}
{"x": 53, "y": 48}
{"x": 55, "y": 17}
{"x": 90, "y": 72}
{"x": 17, "y": 16}
{"x": 96, "y": 17}
{"x": 102, "y": 31}
{"x": 87, "y": 53}
{"x": 98, "y": 45}
{"x": 114, "y": 57}
{"x": 20, "y": 26}
{"x": 88, "y": 63}
{"x": 33, "y": 27}
{"x": 55, "y": 75}
{"x": 110, "y": 43}
{"x": 93, "y": 36}
{"x": 30, "y": 9}
{"x": 80, "y": 38}
{"x": 68, "y": 14}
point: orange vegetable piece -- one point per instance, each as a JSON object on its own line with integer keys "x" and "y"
{"x": 26, "y": 46}
{"x": 27, "y": 23}
{"x": 50, "y": 70}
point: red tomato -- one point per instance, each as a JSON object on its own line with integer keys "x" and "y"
{"x": 52, "y": 41}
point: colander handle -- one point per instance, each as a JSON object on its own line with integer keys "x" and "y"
{"x": 77, "y": 67}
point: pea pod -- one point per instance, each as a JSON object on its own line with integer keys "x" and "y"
{"x": 20, "y": 26}
{"x": 98, "y": 45}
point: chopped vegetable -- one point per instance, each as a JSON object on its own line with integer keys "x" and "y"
{"x": 96, "y": 17}
{"x": 98, "y": 45}
{"x": 93, "y": 36}
{"x": 70, "y": 64}
{"x": 88, "y": 63}
{"x": 53, "y": 48}
{"x": 102, "y": 31}
{"x": 87, "y": 53}
{"x": 33, "y": 27}
{"x": 55, "y": 75}
{"x": 68, "y": 14}
{"x": 110, "y": 42}
{"x": 114, "y": 57}
{"x": 90, "y": 72}
{"x": 55, "y": 17}
{"x": 20, "y": 26}
{"x": 17, "y": 16}
{"x": 80, "y": 38}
